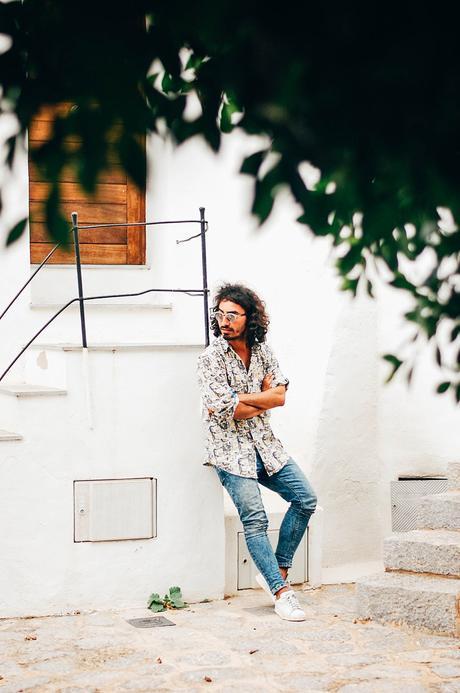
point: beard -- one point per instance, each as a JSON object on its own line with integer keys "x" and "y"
{"x": 230, "y": 336}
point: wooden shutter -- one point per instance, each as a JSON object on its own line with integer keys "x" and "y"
{"x": 116, "y": 200}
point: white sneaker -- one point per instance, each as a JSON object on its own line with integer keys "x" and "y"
{"x": 259, "y": 578}
{"x": 288, "y": 608}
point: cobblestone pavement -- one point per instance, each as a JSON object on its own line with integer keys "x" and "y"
{"x": 237, "y": 644}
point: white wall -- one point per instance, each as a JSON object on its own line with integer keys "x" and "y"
{"x": 139, "y": 429}
{"x": 349, "y": 433}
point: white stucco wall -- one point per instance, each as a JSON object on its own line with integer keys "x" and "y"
{"x": 349, "y": 433}
{"x": 135, "y": 428}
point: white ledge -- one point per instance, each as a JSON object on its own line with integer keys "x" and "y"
{"x": 7, "y": 435}
{"x": 28, "y": 390}
{"x": 117, "y": 346}
{"x": 107, "y": 304}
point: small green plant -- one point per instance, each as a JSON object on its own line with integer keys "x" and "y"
{"x": 173, "y": 600}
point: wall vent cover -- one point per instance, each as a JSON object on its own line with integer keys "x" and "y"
{"x": 115, "y": 509}
{"x": 406, "y": 494}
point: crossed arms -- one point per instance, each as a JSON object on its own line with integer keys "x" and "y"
{"x": 223, "y": 403}
{"x": 254, "y": 403}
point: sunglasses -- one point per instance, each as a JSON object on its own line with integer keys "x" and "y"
{"x": 219, "y": 315}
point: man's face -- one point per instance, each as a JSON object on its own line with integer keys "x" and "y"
{"x": 232, "y": 322}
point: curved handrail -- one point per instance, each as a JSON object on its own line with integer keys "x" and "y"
{"x": 189, "y": 292}
{"x": 30, "y": 279}
{"x": 81, "y": 298}
{"x": 96, "y": 226}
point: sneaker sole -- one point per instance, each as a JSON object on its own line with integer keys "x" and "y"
{"x": 293, "y": 620}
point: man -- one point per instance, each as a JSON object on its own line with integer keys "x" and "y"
{"x": 240, "y": 382}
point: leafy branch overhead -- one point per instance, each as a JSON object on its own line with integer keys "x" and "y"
{"x": 367, "y": 95}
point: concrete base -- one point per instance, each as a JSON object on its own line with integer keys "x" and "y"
{"x": 424, "y": 551}
{"x": 423, "y": 602}
{"x": 453, "y": 474}
{"x": 349, "y": 572}
{"x": 440, "y": 511}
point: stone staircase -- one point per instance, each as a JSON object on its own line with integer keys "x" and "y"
{"x": 421, "y": 583}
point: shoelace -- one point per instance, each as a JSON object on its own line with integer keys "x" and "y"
{"x": 292, "y": 601}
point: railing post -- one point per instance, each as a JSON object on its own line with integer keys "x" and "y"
{"x": 204, "y": 268}
{"x": 79, "y": 278}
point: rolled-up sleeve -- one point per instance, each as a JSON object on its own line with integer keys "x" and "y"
{"x": 272, "y": 367}
{"x": 216, "y": 393}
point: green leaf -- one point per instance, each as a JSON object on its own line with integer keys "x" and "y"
{"x": 263, "y": 203}
{"x": 133, "y": 159}
{"x": 228, "y": 108}
{"x": 16, "y": 232}
{"x": 252, "y": 163}
{"x": 349, "y": 261}
{"x": 151, "y": 79}
{"x": 438, "y": 356}
{"x": 156, "y": 607}
{"x": 175, "y": 597}
{"x": 395, "y": 363}
{"x": 193, "y": 62}
{"x": 388, "y": 252}
{"x": 455, "y": 333}
{"x": 155, "y": 603}
{"x": 443, "y": 387}
{"x": 174, "y": 85}
{"x": 11, "y": 145}
{"x": 393, "y": 360}
{"x": 226, "y": 118}
{"x": 167, "y": 83}
{"x": 350, "y": 285}
{"x": 409, "y": 375}
{"x": 400, "y": 282}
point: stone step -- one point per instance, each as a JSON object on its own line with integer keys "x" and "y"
{"x": 419, "y": 601}
{"x": 453, "y": 475}
{"x": 7, "y": 435}
{"x": 27, "y": 390}
{"x": 439, "y": 511}
{"x": 424, "y": 551}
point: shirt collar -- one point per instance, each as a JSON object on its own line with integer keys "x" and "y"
{"x": 224, "y": 344}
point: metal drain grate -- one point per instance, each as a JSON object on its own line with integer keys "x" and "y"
{"x": 150, "y": 622}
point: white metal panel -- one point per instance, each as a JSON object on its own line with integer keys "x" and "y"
{"x": 406, "y": 495}
{"x": 115, "y": 509}
{"x": 247, "y": 570}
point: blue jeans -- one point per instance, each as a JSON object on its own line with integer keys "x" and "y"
{"x": 292, "y": 485}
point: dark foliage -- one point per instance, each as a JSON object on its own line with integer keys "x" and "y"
{"x": 367, "y": 93}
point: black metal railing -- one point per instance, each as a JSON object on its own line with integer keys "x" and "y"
{"x": 81, "y": 298}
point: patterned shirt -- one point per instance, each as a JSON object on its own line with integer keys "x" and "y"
{"x": 231, "y": 443}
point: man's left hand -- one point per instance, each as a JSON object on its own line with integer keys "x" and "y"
{"x": 267, "y": 382}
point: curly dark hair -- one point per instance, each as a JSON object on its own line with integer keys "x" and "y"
{"x": 256, "y": 316}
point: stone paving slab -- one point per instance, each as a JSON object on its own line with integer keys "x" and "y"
{"x": 236, "y": 645}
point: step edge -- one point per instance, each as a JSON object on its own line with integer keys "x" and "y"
{"x": 6, "y": 436}
{"x": 433, "y": 580}
{"x": 117, "y": 346}
{"x": 35, "y": 391}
